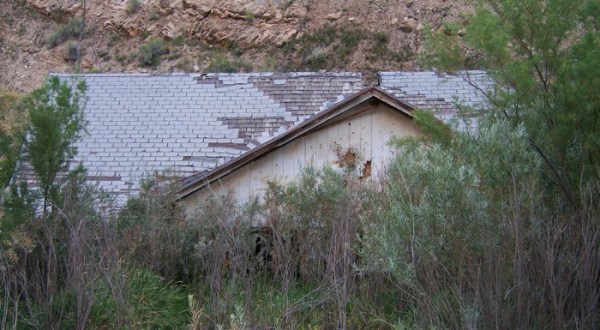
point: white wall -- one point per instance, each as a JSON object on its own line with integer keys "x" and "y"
{"x": 366, "y": 133}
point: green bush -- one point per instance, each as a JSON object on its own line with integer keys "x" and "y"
{"x": 249, "y": 16}
{"x": 220, "y": 63}
{"x": 132, "y": 6}
{"x": 149, "y": 303}
{"x": 65, "y": 32}
{"x": 12, "y": 128}
{"x": 461, "y": 225}
{"x": 380, "y": 43}
{"x": 153, "y": 14}
{"x": 185, "y": 65}
{"x": 71, "y": 51}
{"x": 153, "y": 304}
{"x": 149, "y": 53}
{"x": 269, "y": 64}
{"x": 325, "y": 48}
{"x": 318, "y": 59}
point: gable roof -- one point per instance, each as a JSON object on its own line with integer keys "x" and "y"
{"x": 443, "y": 94}
{"x": 191, "y": 123}
{"x": 193, "y": 183}
{"x": 194, "y": 124}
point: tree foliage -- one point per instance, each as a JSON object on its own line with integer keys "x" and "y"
{"x": 11, "y": 135}
{"x": 499, "y": 229}
{"x": 545, "y": 59}
{"x": 56, "y": 121}
{"x": 451, "y": 219}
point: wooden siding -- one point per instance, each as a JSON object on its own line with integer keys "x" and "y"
{"x": 366, "y": 133}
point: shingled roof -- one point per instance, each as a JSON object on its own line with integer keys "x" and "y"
{"x": 446, "y": 95}
{"x": 190, "y": 124}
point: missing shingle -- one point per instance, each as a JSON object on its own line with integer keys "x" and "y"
{"x": 201, "y": 159}
{"x": 236, "y": 146}
{"x": 103, "y": 178}
{"x": 204, "y": 79}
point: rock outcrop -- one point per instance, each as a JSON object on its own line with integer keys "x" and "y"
{"x": 245, "y": 23}
{"x": 255, "y": 29}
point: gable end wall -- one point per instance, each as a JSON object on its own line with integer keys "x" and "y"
{"x": 365, "y": 134}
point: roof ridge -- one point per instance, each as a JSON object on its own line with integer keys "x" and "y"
{"x": 292, "y": 74}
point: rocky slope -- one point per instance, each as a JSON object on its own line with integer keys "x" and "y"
{"x": 40, "y": 36}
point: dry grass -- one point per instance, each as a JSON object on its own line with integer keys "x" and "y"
{"x": 9, "y": 115}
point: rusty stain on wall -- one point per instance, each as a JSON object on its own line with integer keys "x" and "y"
{"x": 366, "y": 171}
{"x": 345, "y": 158}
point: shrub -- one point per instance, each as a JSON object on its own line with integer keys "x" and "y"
{"x": 318, "y": 59}
{"x": 220, "y": 63}
{"x": 314, "y": 223}
{"x": 381, "y": 41}
{"x": 104, "y": 54}
{"x": 350, "y": 37}
{"x": 132, "y": 7}
{"x": 71, "y": 51}
{"x": 327, "y": 47}
{"x": 156, "y": 304}
{"x": 113, "y": 39}
{"x": 249, "y": 16}
{"x": 121, "y": 58}
{"x": 153, "y": 14}
{"x": 65, "y": 32}
{"x": 149, "y": 53}
{"x": 185, "y": 65}
{"x": 12, "y": 127}
{"x": 22, "y": 29}
{"x": 269, "y": 64}
{"x": 462, "y": 225}
{"x": 179, "y": 40}
{"x": 149, "y": 302}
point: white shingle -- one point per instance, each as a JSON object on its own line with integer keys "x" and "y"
{"x": 138, "y": 123}
{"x": 426, "y": 89}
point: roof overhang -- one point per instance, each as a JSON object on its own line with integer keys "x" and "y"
{"x": 196, "y": 182}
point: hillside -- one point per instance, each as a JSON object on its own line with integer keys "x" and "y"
{"x": 39, "y": 36}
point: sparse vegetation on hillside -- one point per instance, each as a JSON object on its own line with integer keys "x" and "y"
{"x": 220, "y": 63}
{"x": 149, "y": 53}
{"x": 331, "y": 46}
{"x": 65, "y": 32}
{"x": 262, "y": 33}
{"x": 132, "y": 6}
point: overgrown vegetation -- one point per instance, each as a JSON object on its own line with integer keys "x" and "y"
{"x": 56, "y": 121}
{"x": 60, "y": 266}
{"x": 543, "y": 56}
{"x": 12, "y": 127}
{"x": 492, "y": 228}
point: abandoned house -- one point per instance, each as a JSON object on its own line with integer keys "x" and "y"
{"x": 233, "y": 132}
